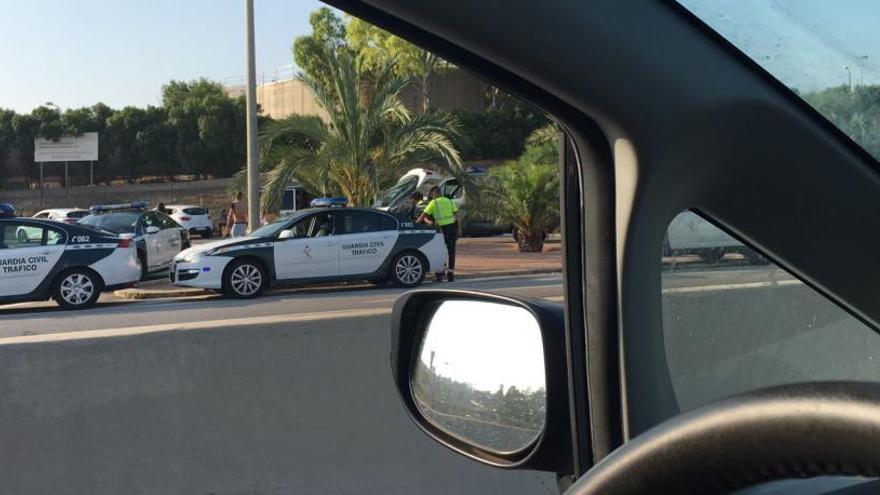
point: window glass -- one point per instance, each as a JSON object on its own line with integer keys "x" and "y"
{"x": 359, "y": 222}
{"x": 18, "y": 235}
{"x": 196, "y": 211}
{"x": 167, "y": 222}
{"x": 452, "y": 189}
{"x": 77, "y": 213}
{"x": 54, "y": 237}
{"x": 120, "y": 222}
{"x": 404, "y": 187}
{"x": 733, "y": 321}
{"x": 322, "y": 225}
{"x": 825, "y": 51}
{"x": 152, "y": 220}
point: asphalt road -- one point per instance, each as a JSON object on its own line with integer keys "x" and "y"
{"x": 726, "y": 329}
{"x": 110, "y": 312}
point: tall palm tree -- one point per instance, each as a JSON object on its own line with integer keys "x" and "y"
{"x": 368, "y": 140}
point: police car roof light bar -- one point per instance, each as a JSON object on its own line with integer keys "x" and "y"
{"x": 134, "y": 205}
{"x": 7, "y": 210}
{"x": 329, "y": 202}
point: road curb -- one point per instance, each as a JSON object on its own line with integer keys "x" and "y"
{"x": 181, "y": 292}
{"x": 159, "y": 293}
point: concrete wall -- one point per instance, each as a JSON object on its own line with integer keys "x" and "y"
{"x": 453, "y": 90}
{"x": 211, "y": 193}
{"x": 304, "y": 405}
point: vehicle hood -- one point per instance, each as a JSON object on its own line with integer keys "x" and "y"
{"x": 204, "y": 248}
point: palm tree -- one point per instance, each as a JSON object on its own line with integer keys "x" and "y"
{"x": 367, "y": 141}
{"x": 526, "y": 194}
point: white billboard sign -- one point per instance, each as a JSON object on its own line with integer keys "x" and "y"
{"x": 67, "y": 149}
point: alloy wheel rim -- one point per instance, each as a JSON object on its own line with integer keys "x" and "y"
{"x": 77, "y": 289}
{"x": 246, "y": 280}
{"x": 409, "y": 269}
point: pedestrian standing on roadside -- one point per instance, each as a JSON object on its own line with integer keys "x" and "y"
{"x": 441, "y": 213}
{"x": 161, "y": 208}
{"x": 238, "y": 214}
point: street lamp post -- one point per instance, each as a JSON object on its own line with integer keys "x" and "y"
{"x": 849, "y": 78}
{"x": 253, "y": 159}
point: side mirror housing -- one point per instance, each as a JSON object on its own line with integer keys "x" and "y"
{"x": 485, "y": 375}
{"x": 152, "y": 229}
{"x": 287, "y": 234}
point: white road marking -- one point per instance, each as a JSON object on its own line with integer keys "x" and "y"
{"x": 197, "y": 325}
{"x": 725, "y": 287}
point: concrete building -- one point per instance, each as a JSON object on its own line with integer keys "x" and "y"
{"x": 455, "y": 89}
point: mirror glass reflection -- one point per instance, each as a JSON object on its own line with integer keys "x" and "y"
{"x": 480, "y": 374}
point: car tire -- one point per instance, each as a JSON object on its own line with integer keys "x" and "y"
{"x": 142, "y": 264}
{"x": 408, "y": 269}
{"x": 78, "y": 288}
{"x": 244, "y": 279}
{"x": 22, "y": 237}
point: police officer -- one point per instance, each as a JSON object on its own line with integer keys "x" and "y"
{"x": 441, "y": 212}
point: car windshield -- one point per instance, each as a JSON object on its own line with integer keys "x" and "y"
{"x": 404, "y": 186}
{"x": 195, "y": 211}
{"x": 273, "y": 228}
{"x": 77, "y": 213}
{"x": 120, "y": 222}
{"x": 826, "y": 52}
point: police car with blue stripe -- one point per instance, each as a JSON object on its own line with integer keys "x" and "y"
{"x": 320, "y": 244}
{"x": 71, "y": 264}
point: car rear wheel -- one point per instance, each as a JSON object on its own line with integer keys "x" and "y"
{"x": 76, "y": 289}
{"x": 408, "y": 270}
{"x": 245, "y": 279}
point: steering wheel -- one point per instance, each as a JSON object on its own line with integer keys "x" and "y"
{"x": 792, "y": 431}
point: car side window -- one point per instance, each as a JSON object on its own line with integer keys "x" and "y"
{"x": 54, "y": 237}
{"x": 734, "y": 321}
{"x": 20, "y": 235}
{"x": 322, "y": 225}
{"x": 360, "y": 222}
{"x": 166, "y": 222}
{"x": 150, "y": 219}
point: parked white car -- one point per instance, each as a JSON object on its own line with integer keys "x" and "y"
{"x": 195, "y": 219}
{"x": 66, "y": 215}
{"x": 690, "y": 233}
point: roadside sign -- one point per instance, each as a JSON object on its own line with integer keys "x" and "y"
{"x": 67, "y": 149}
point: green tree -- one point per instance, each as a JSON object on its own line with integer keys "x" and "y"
{"x": 328, "y": 34}
{"x": 368, "y": 141}
{"x": 376, "y": 48}
{"x": 209, "y": 127}
{"x": 526, "y": 194}
{"x": 7, "y": 140}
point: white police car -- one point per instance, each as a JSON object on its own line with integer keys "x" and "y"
{"x": 71, "y": 264}
{"x": 315, "y": 245}
{"x": 158, "y": 238}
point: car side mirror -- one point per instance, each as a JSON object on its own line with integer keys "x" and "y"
{"x": 485, "y": 375}
{"x": 152, "y": 229}
{"x": 287, "y": 234}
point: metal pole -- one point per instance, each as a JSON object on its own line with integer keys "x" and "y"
{"x": 41, "y": 185}
{"x": 66, "y": 177}
{"x": 91, "y": 173}
{"x": 253, "y": 159}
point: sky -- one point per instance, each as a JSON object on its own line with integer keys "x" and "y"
{"x": 804, "y": 43}
{"x": 121, "y": 52}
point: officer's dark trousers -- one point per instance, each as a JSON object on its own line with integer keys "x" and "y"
{"x": 450, "y": 236}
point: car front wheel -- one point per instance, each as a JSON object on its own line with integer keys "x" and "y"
{"x": 245, "y": 279}
{"x": 76, "y": 289}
